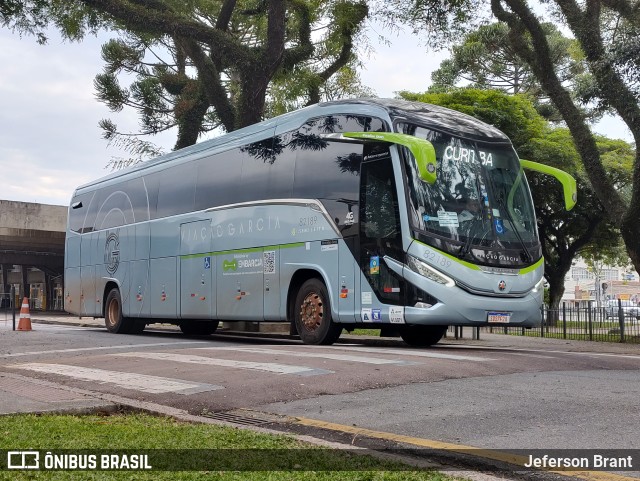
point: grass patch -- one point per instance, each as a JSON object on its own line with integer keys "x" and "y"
{"x": 366, "y": 332}
{"x": 140, "y": 432}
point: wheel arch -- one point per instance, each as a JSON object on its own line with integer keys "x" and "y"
{"x": 300, "y": 277}
{"x": 111, "y": 284}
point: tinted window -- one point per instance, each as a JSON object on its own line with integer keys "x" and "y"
{"x": 151, "y": 183}
{"x": 380, "y": 225}
{"x": 330, "y": 170}
{"x": 77, "y": 215}
{"x": 137, "y": 191}
{"x": 267, "y": 169}
{"x": 114, "y": 208}
{"x": 218, "y": 180}
{"x": 176, "y": 190}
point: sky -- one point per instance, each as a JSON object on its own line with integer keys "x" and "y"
{"x": 50, "y": 141}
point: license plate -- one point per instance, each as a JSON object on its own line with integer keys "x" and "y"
{"x": 498, "y": 317}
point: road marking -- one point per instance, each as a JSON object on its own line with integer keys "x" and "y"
{"x": 336, "y": 357}
{"x": 411, "y": 352}
{"x": 575, "y": 353}
{"x": 127, "y": 380}
{"x": 209, "y": 361}
{"x": 457, "y": 448}
{"x": 537, "y": 356}
{"x": 83, "y": 349}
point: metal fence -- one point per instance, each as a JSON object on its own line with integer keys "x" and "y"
{"x": 584, "y": 323}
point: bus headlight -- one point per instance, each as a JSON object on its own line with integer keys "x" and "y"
{"x": 424, "y": 269}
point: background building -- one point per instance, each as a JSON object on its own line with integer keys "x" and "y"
{"x": 584, "y": 284}
{"x": 32, "y": 253}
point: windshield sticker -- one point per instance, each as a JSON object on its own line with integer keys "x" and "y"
{"x": 449, "y": 219}
{"x": 461, "y": 154}
{"x": 374, "y": 265}
{"x": 499, "y": 226}
{"x": 496, "y": 213}
{"x": 465, "y": 216}
{"x": 365, "y": 297}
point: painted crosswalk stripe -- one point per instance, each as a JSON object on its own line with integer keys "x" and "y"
{"x": 98, "y": 348}
{"x": 127, "y": 380}
{"x": 209, "y": 361}
{"x": 411, "y": 352}
{"x": 320, "y": 355}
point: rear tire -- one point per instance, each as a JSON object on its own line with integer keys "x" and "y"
{"x": 199, "y": 328}
{"x": 113, "y": 319}
{"x": 422, "y": 336}
{"x": 312, "y": 314}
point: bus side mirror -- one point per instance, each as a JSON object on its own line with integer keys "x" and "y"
{"x": 422, "y": 150}
{"x": 568, "y": 182}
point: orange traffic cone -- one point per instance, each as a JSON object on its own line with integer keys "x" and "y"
{"x": 25, "y": 318}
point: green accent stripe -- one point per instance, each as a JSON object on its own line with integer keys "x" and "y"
{"x": 532, "y": 268}
{"x": 449, "y": 256}
{"x": 234, "y": 251}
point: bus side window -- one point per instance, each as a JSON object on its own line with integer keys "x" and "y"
{"x": 77, "y": 215}
{"x": 267, "y": 168}
{"x": 218, "y": 178}
{"x": 177, "y": 190}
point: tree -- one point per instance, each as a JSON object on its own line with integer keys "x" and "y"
{"x": 613, "y": 83}
{"x": 485, "y": 59}
{"x": 564, "y": 234}
{"x": 202, "y": 64}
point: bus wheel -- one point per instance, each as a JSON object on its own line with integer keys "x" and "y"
{"x": 113, "y": 313}
{"x": 422, "y": 336}
{"x": 312, "y": 314}
{"x": 199, "y": 328}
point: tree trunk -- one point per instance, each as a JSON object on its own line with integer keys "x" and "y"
{"x": 556, "y": 290}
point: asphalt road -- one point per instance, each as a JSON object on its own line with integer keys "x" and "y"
{"x": 535, "y": 396}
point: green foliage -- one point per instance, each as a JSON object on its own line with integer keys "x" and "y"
{"x": 485, "y": 59}
{"x": 443, "y": 22}
{"x": 514, "y": 115}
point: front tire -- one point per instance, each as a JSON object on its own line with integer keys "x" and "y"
{"x": 312, "y": 314}
{"x": 199, "y": 328}
{"x": 422, "y": 336}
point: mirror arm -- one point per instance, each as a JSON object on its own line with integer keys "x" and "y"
{"x": 568, "y": 182}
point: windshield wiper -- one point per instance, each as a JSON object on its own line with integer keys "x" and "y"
{"x": 528, "y": 256}
{"x": 466, "y": 247}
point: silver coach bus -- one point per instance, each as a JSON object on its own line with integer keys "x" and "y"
{"x": 375, "y": 213}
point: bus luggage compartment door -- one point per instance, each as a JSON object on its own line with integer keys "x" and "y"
{"x": 196, "y": 271}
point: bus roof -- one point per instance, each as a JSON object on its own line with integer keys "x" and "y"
{"x": 433, "y": 116}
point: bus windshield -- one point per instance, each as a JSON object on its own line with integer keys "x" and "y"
{"x": 479, "y": 208}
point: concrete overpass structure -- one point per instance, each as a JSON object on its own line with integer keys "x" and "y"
{"x": 32, "y": 252}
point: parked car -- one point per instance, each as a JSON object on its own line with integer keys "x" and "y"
{"x": 629, "y": 308}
